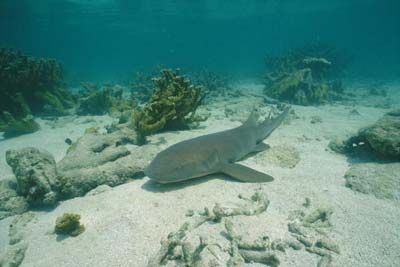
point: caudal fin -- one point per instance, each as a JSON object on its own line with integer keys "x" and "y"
{"x": 268, "y": 125}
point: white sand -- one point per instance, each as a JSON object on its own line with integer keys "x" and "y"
{"x": 125, "y": 225}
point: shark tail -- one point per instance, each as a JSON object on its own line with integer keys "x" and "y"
{"x": 270, "y": 124}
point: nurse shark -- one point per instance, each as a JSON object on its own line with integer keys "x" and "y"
{"x": 216, "y": 153}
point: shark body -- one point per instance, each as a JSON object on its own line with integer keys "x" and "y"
{"x": 215, "y": 153}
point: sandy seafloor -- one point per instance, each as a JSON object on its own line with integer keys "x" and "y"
{"x": 124, "y": 225}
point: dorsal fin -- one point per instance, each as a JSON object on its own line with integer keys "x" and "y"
{"x": 252, "y": 119}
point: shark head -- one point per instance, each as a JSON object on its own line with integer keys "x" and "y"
{"x": 178, "y": 163}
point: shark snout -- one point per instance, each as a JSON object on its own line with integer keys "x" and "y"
{"x": 158, "y": 170}
{"x": 151, "y": 173}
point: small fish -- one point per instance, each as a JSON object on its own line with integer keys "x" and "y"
{"x": 216, "y": 153}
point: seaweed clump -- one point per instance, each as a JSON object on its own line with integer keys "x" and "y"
{"x": 68, "y": 224}
{"x": 305, "y": 76}
{"x": 29, "y": 86}
{"x": 172, "y": 105}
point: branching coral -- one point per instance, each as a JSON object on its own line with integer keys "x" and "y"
{"x": 30, "y": 85}
{"x": 100, "y": 101}
{"x": 27, "y": 81}
{"x": 302, "y": 77}
{"x": 141, "y": 87}
{"x": 172, "y": 105}
{"x": 294, "y": 59}
{"x": 214, "y": 84}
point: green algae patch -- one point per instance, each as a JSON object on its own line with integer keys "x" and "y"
{"x": 69, "y": 224}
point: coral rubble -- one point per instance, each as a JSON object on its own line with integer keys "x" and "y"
{"x": 311, "y": 229}
{"x": 214, "y": 238}
{"x": 177, "y": 247}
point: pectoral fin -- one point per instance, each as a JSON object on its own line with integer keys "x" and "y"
{"x": 261, "y": 147}
{"x": 245, "y": 174}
